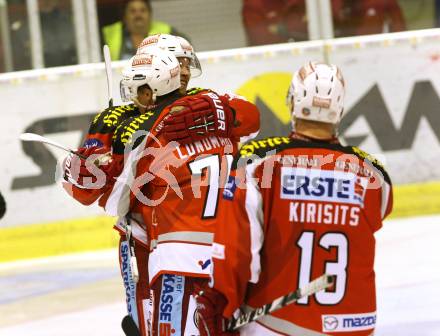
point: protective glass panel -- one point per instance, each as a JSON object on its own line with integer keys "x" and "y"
{"x": 57, "y": 33}
{"x": 353, "y": 17}
{"x": 207, "y": 24}
{"x": 18, "y": 30}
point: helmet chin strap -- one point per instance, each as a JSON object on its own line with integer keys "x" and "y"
{"x": 138, "y": 103}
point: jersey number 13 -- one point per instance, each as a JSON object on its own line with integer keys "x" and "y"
{"x": 339, "y": 267}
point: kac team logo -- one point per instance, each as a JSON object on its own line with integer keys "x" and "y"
{"x": 93, "y": 143}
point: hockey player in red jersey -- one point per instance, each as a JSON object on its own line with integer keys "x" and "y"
{"x": 183, "y": 129}
{"x": 181, "y": 182}
{"x": 105, "y": 123}
{"x": 98, "y": 142}
{"x": 87, "y": 189}
{"x": 294, "y": 208}
{"x": 196, "y": 122}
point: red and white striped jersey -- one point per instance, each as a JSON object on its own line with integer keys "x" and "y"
{"x": 293, "y": 210}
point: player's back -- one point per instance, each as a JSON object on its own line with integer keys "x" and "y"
{"x": 321, "y": 204}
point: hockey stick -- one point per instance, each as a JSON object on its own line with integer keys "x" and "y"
{"x": 133, "y": 259}
{"x": 108, "y": 72}
{"x": 128, "y": 325}
{"x": 39, "y": 138}
{"x": 323, "y": 282}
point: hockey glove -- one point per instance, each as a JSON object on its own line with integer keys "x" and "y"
{"x": 210, "y": 306}
{"x": 95, "y": 172}
{"x": 199, "y": 117}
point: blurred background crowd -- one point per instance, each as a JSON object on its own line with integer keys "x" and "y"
{"x": 48, "y": 33}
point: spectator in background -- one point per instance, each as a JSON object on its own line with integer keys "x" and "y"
{"x": 123, "y": 37}
{"x": 274, "y": 21}
{"x": 363, "y": 17}
{"x": 278, "y": 21}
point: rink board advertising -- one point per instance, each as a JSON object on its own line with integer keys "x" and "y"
{"x": 392, "y": 104}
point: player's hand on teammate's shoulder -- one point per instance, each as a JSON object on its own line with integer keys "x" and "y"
{"x": 197, "y": 117}
{"x": 94, "y": 169}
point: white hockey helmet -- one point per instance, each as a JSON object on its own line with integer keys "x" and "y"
{"x": 317, "y": 93}
{"x": 158, "y": 68}
{"x": 179, "y": 46}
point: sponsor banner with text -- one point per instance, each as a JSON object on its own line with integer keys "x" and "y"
{"x": 348, "y": 322}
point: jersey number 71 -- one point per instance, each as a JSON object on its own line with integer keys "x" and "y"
{"x": 213, "y": 164}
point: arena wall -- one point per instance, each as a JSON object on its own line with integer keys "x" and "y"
{"x": 393, "y": 101}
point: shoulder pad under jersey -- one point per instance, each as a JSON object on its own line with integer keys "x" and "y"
{"x": 364, "y": 156}
{"x": 142, "y": 122}
{"x": 260, "y": 149}
{"x": 109, "y": 119}
{"x": 273, "y": 145}
{"x": 263, "y": 147}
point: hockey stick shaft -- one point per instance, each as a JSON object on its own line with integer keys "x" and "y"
{"x": 39, "y": 138}
{"x": 323, "y": 282}
{"x": 133, "y": 260}
{"x": 108, "y": 72}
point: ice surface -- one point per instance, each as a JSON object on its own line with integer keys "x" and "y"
{"x": 82, "y": 294}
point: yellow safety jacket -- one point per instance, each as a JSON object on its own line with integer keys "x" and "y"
{"x": 113, "y": 35}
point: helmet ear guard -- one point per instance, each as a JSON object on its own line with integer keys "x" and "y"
{"x": 124, "y": 91}
{"x": 317, "y": 93}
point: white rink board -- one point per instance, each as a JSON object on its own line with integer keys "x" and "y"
{"x": 57, "y": 102}
{"x": 397, "y": 67}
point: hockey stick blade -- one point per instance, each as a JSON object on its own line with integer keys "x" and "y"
{"x": 108, "y": 72}
{"x": 129, "y": 326}
{"x": 323, "y": 282}
{"x": 39, "y": 138}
